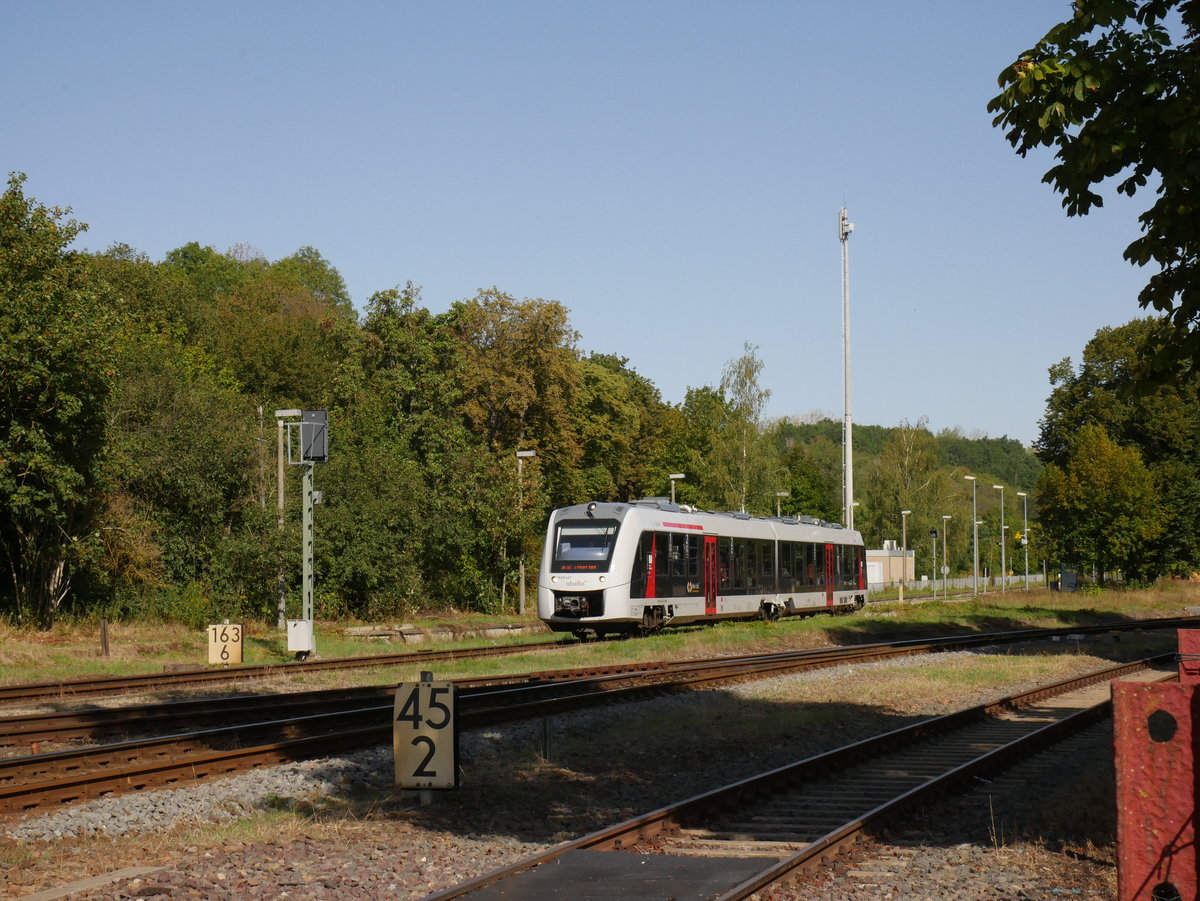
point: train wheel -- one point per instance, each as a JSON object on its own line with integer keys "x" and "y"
{"x": 652, "y": 620}
{"x": 769, "y": 612}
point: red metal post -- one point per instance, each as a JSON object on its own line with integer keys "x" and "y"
{"x": 1155, "y": 730}
{"x": 1189, "y": 656}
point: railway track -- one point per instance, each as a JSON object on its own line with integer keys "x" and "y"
{"x": 731, "y": 842}
{"x": 279, "y": 729}
{"x": 97, "y": 723}
{"x": 51, "y": 779}
{"x": 58, "y": 689}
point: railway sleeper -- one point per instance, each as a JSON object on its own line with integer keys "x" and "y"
{"x": 705, "y": 846}
{"x": 778, "y": 837}
{"x": 828, "y": 805}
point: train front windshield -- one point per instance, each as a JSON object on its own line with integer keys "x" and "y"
{"x": 584, "y": 545}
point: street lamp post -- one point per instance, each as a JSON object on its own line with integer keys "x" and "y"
{"x": 675, "y": 477}
{"x": 1003, "y": 565}
{"x": 1024, "y": 496}
{"x": 978, "y": 523}
{"x": 779, "y": 496}
{"x": 974, "y": 540}
{"x": 904, "y": 514}
{"x": 521, "y": 457}
{"x": 933, "y": 536}
{"x": 945, "y": 557}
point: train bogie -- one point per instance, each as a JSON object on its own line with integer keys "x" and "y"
{"x": 639, "y": 566}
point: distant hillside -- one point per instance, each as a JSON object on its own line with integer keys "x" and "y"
{"x": 1004, "y": 458}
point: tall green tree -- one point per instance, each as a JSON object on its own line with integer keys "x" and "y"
{"x": 309, "y": 268}
{"x": 1162, "y": 423}
{"x": 213, "y": 274}
{"x": 812, "y": 474}
{"x": 55, "y": 377}
{"x": 688, "y": 446}
{"x": 1100, "y": 510}
{"x": 745, "y": 468}
{"x": 907, "y": 475}
{"x": 1115, "y": 90}
{"x": 620, "y": 418}
{"x": 186, "y": 461}
{"x": 281, "y": 341}
{"x": 520, "y": 379}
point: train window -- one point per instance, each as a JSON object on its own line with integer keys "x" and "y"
{"x": 662, "y": 565}
{"x": 815, "y": 565}
{"x": 766, "y": 566}
{"x": 787, "y": 567}
{"x": 741, "y": 566}
{"x": 733, "y": 565}
{"x": 685, "y": 565}
{"x": 694, "y": 554}
{"x": 848, "y": 566}
{"x": 674, "y": 561}
{"x": 584, "y": 545}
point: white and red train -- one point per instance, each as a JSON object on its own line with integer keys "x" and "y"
{"x": 624, "y": 567}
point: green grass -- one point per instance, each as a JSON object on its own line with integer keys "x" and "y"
{"x": 72, "y": 649}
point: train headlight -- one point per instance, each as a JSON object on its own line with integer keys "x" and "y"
{"x": 554, "y": 578}
{"x": 602, "y": 578}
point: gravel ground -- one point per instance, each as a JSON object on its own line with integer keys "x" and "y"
{"x": 1048, "y": 836}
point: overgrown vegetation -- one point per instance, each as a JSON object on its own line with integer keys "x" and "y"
{"x": 138, "y": 469}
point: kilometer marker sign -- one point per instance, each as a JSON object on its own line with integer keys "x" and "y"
{"x": 425, "y": 735}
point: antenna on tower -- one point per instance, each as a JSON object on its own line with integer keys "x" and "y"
{"x": 845, "y": 227}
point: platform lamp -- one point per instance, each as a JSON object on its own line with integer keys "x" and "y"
{"x": 945, "y": 557}
{"x": 974, "y": 539}
{"x": 1024, "y": 496}
{"x": 904, "y": 514}
{"x": 933, "y": 537}
{"x": 779, "y": 496}
{"x": 675, "y": 477}
{"x": 1003, "y": 565}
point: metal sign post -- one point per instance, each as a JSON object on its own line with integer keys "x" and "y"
{"x": 306, "y": 531}
{"x": 314, "y": 448}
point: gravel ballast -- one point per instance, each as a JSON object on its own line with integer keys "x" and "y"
{"x": 358, "y": 838}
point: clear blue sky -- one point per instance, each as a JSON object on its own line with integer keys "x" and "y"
{"x": 670, "y": 171}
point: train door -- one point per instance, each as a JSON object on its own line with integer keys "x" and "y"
{"x": 712, "y": 578}
{"x": 831, "y": 574}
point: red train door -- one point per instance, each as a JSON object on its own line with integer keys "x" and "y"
{"x": 712, "y": 578}
{"x": 830, "y": 574}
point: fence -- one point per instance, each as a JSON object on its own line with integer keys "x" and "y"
{"x": 958, "y": 584}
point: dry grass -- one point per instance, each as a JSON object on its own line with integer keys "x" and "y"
{"x": 778, "y": 716}
{"x": 72, "y": 649}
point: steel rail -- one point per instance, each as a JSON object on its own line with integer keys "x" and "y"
{"x": 817, "y": 853}
{"x": 309, "y": 734}
{"x": 64, "y": 688}
{"x": 28, "y": 729}
{"x": 23, "y": 779}
{"x": 87, "y": 685}
{"x": 63, "y": 776}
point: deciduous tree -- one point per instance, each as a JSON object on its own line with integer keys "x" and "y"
{"x": 1115, "y": 90}
{"x": 1100, "y": 510}
{"x": 745, "y": 468}
{"x": 55, "y": 376}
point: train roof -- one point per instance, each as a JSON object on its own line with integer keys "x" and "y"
{"x": 665, "y": 505}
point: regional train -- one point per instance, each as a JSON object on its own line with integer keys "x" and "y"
{"x": 638, "y": 566}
